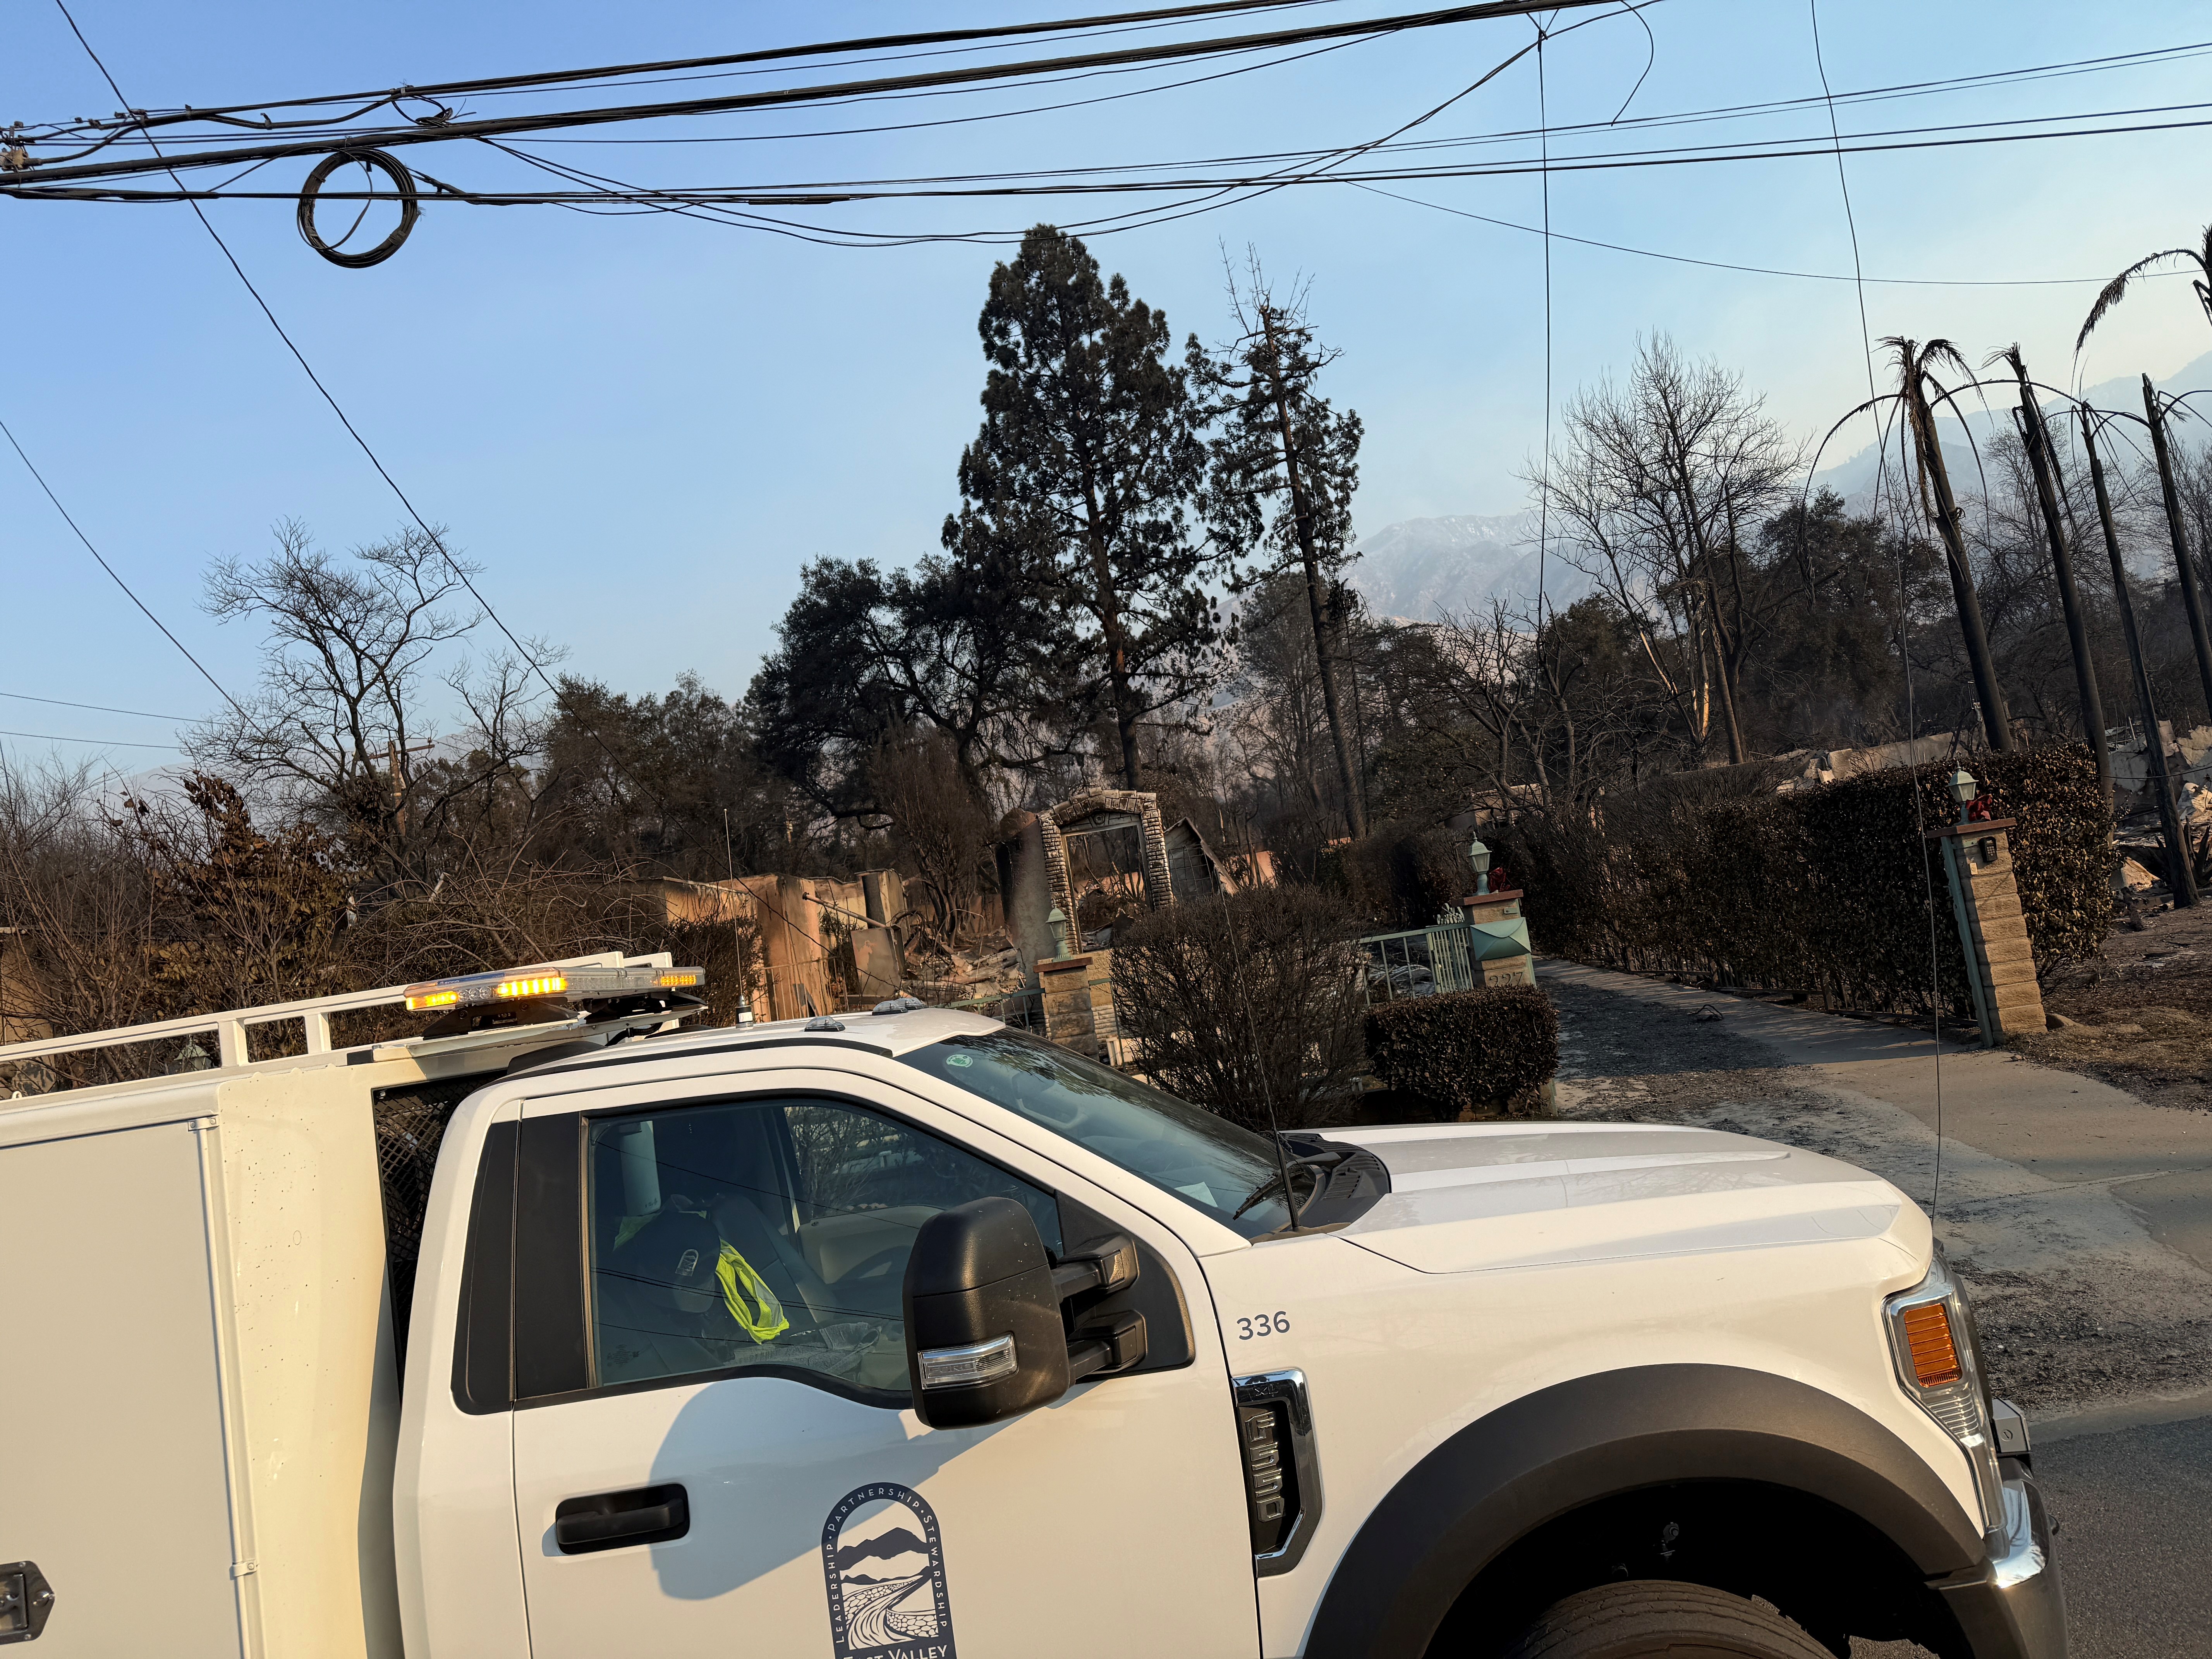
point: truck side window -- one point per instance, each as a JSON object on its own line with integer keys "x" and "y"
{"x": 768, "y": 1234}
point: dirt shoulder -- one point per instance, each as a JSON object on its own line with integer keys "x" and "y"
{"x": 2140, "y": 1018}
{"x": 2081, "y": 1305}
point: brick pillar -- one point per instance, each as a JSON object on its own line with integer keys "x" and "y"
{"x": 1992, "y": 929}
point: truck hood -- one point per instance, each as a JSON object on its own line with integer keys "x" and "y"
{"x": 1466, "y": 1197}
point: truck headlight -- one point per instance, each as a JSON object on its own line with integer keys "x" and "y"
{"x": 1931, "y": 1336}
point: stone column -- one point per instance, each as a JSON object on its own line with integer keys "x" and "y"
{"x": 1055, "y": 870}
{"x": 1992, "y": 929}
{"x": 1069, "y": 1020}
{"x": 1105, "y": 1026}
{"x": 1159, "y": 883}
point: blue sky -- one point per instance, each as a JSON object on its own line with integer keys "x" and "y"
{"x": 640, "y": 426}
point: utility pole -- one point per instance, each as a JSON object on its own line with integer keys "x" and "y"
{"x": 2180, "y": 878}
{"x": 2043, "y": 461}
{"x": 1355, "y": 809}
{"x": 1996, "y": 718}
{"x": 2191, "y": 600}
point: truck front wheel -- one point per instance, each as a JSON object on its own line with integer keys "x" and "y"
{"x": 1648, "y": 1618}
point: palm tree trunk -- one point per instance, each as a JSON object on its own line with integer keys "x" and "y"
{"x": 2191, "y": 601}
{"x": 2045, "y": 462}
{"x": 2179, "y": 877}
{"x": 1996, "y": 718}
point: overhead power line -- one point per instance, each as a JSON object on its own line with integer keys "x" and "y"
{"x": 722, "y": 201}
{"x": 674, "y": 66}
{"x": 352, "y": 431}
{"x": 98, "y": 743}
{"x": 443, "y": 128}
{"x": 1979, "y": 81}
{"x": 97, "y": 708}
{"x": 1757, "y": 270}
{"x": 117, "y": 579}
{"x": 1983, "y": 82}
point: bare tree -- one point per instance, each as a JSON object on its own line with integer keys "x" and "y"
{"x": 349, "y": 648}
{"x": 1479, "y": 693}
{"x": 1657, "y": 488}
{"x": 1278, "y": 723}
{"x": 75, "y": 901}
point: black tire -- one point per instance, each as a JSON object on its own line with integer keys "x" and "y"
{"x": 1646, "y": 1619}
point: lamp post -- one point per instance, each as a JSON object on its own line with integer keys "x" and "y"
{"x": 1496, "y": 936}
{"x": 1964, "y": 788}
{"x": 1056, "y": 919}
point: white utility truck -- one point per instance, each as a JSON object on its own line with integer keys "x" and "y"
{"x": 561, "y": 1332}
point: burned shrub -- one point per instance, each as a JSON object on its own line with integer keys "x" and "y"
{"x": 1247, "y": 1004}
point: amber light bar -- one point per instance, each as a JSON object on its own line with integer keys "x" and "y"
{"x": 1929, "y": 1343}
{"x": 542, "y": 984}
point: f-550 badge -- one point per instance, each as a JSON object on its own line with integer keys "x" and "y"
{"x": 886, "y": 1567}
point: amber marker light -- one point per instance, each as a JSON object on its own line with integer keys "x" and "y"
{"x": 680, "y": 976}
{"x": 538, "y": 985}
{"x": 426, "y": 1000}
{"x": 1927, "y": 1339}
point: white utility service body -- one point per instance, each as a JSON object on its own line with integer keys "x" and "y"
{"x": 656, "y": 1396}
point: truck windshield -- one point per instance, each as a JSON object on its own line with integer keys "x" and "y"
{"x": 1226, "y": 1170}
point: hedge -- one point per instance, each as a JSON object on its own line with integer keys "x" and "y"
{"x": 1482, "y": 1051}
{"x": 1825, "y": 890}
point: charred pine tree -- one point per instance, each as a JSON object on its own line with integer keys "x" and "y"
{"x": 1281, "y": 446}
{"x": 1078, "y": 483}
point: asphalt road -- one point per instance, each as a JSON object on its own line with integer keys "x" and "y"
{"x": 2134, "y": 1511}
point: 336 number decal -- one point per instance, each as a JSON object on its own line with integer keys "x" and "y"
{"x": 1274, "y": 1324}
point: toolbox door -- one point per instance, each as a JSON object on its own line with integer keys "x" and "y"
{"x": 115, "y": 1477}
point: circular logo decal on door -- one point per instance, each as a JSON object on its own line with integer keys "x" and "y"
{"x": 885, "y": 1566}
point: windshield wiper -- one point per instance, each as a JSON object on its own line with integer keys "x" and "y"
{"x": 1312, "y": 1164}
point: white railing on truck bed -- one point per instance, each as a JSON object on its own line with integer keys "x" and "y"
{"x": 314, "y": 1013}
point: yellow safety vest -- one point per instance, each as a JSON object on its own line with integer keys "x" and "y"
{"x": 748, "y": 1297}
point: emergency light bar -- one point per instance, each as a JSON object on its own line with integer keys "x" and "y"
{"x": 573, "y": 985}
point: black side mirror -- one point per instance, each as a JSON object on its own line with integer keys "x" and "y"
{"x": 983, "y": 1335}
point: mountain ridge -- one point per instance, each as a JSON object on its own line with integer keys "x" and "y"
{"x": 1429, "y": 569}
